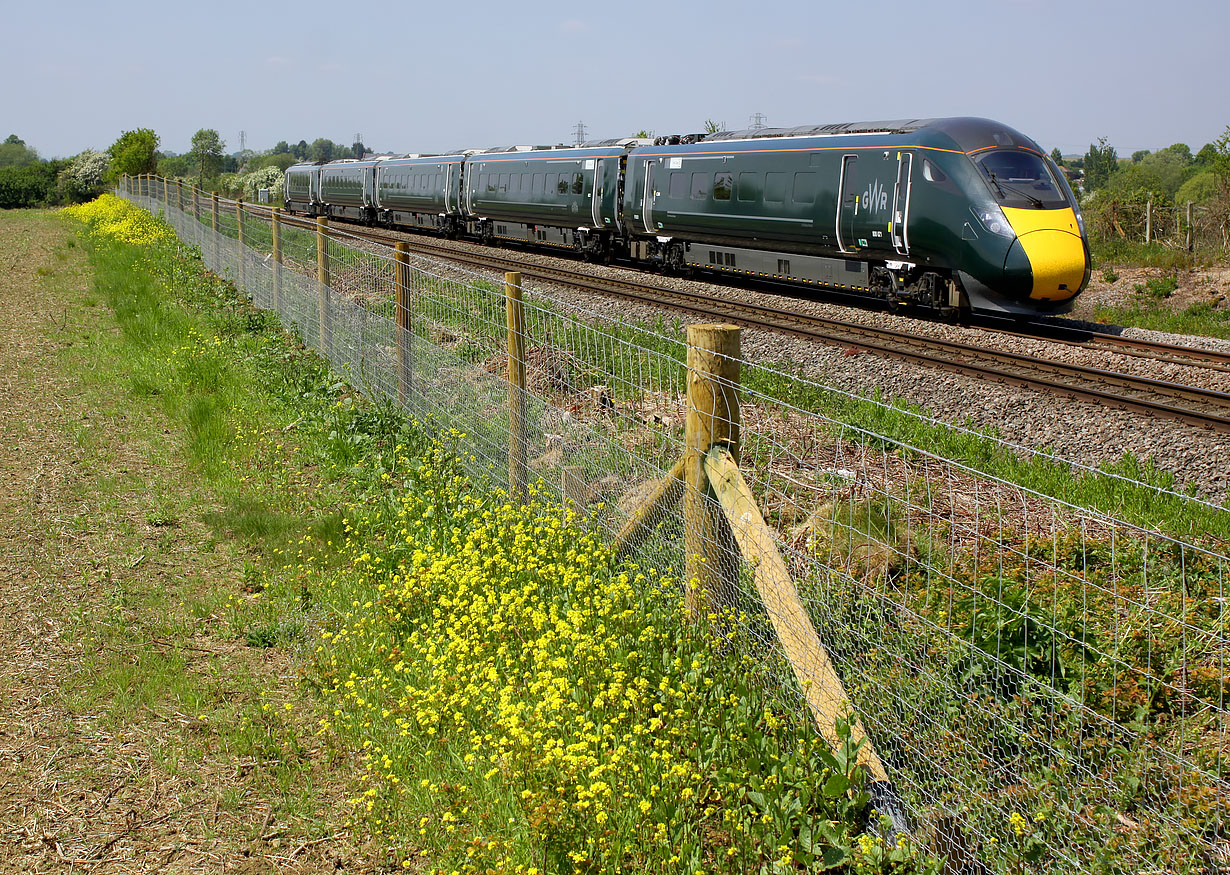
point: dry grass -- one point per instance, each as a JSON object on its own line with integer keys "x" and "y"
{"x": 138, "y": 734}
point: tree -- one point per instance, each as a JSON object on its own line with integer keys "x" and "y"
{"x": 1140, "y": 155}
{"x": 358, "y": 150}
{"x": 1057, "y": 156}
{"x": 207, "y": 149}
{"x": 83, "y": 178}
{"x": 1100, "y": 162}
{"x": 15, "y": 153}
{"x": 282, "y": 148}
{"x": 1206, "y": 155}
{"x": 321, "y": 150}
{"x": 712, "y": 127}
{"x": 133, "y": 153}
{"x": 300, "y": 150}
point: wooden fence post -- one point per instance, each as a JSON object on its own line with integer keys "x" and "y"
{"x": 166, "y": 197}
{"x": 213, "y": 223}
{"x": 324, "y": 317}
{"x": 243, "y": 286}
{"x": 405, "y": 329}
{"x": 179, "y": 195}
{"x": 1189, "y": 240}
{"x": 712, "y": 419}
{"x": 276, "y": 227}
{"x": 1148, "y": 219}
{"x": 518, "y": 443}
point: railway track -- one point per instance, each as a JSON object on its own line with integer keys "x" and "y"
{"x": 1196, "y": 406}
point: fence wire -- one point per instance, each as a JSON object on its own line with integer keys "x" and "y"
{"x": 1044, "y": 682}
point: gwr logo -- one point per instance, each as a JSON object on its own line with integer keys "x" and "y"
{"x": 875, "y": 198}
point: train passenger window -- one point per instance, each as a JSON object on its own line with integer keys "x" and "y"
{"x": 774, "y": 187}
{"x": 493, "y": 181}
{"x": 723, "y": 184}
{"x": 578, "y": 183}
{"x": 931, "y": 173}
{"x": 700, "y": 186}
{"x": 439, "y": 182}
{"x": 804, "y": 188}
{"x": 749, "y": 189}
{"x": 679, "y": 186}
{"x": 552, "y": 181}
{"x": 536, "y": 187}
{"x": 562, "y": 188}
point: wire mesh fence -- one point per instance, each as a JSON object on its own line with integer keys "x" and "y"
{"x": 1044, "y": 683}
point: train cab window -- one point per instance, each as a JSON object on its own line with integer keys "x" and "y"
{"x": 749, "y": 190}
{"x": 700, "y": 186}
{"x": 578, "y": 183}
{"x": 679, "y": 186}
{"x": 1021, "y": 179}
{"x": 804, "y": 188}
{"x": 774, "y": 187}
{"x": 723, "y": 185}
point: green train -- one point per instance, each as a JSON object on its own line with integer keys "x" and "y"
{"x": 954, "y": 215}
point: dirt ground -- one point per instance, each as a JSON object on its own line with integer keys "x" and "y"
{"x": 1115, "y": 286}
{"x": 86, "y": 784}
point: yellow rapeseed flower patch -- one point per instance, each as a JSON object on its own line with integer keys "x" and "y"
{"x": 113, "y": 217}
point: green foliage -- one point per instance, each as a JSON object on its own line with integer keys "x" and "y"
{"x": 1100, "y": 162}
{"x": 1057, "y": 156}
{"x": 324, "y": 150}
{"x": 1199, "y": 188}
{"x": 15, "y": 153}
{"x": 207, "y": 154}
{"x": 1138, "y": 156}
{"x": 83, "y": 178}
{"x": 133, "y": 153}
{"x": 176, "y": 166}
{"x": 267, "y": 177}
{"x": 279, "y": 160}
{"x": 30, "y": 185}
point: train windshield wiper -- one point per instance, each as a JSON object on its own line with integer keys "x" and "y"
{"x": 1001, "y": 187}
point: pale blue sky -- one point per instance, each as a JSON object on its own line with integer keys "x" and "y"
{"x": 434, "y": 76}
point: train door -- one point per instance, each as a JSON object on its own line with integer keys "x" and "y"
{"x": 847, "y": 203}
{"x": 649, "y": 194}
{"x": 594, "y": 195}
{"x": 901, "y": 203}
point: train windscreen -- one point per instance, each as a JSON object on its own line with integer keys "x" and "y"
{"x": 1021, "y": 179}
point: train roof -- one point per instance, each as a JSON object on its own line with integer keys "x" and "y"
{"x": 968, "y": 134}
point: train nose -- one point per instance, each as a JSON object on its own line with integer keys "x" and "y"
{"x": 1051, "y": 242}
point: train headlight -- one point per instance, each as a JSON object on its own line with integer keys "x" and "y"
{"x": 991, "y": 217}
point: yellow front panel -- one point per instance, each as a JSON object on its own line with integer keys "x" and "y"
{"x": 1052, "y": 243}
